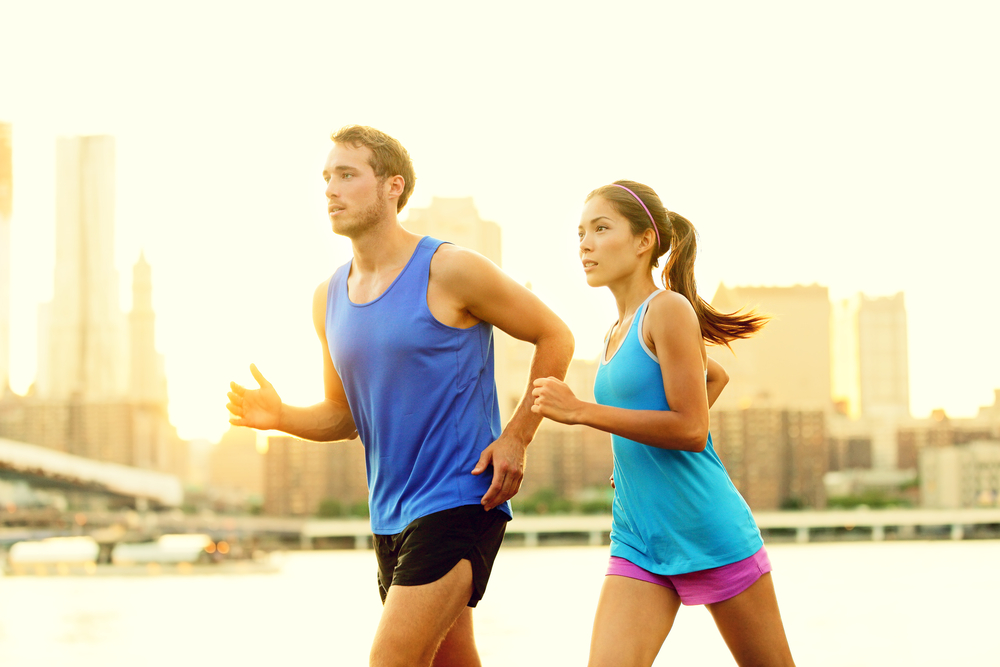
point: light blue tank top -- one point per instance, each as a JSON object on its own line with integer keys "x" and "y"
{"x": 673, "y": 511}
{"x": 422, "y": 395}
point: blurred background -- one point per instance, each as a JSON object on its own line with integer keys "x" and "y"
{"x": 163, "y": 225}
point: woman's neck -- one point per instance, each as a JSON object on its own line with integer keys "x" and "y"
{"x": 630, "y": 295}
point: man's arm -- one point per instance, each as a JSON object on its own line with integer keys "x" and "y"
{"x": 323, "y": 422}
{"x": 490, "y": 295}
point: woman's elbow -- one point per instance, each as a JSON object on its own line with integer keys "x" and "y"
{"x": 697, "y": 439}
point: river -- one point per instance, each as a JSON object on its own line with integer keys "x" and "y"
{"x": 856, "y": 604}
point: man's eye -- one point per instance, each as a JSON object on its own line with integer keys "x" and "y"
{"x": 347, "y": 177}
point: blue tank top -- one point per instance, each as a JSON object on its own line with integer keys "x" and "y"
{"x": 422, "y": 395}
{"x": 673, "y": 511}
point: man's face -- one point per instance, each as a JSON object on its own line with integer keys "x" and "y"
{"x": 356, "y": 198}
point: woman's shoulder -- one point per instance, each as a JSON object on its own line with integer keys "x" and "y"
{"x": 669, "y": 311}
{"x": 669, "y": 303}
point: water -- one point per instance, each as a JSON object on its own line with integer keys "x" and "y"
{"x": 844, "y": 605}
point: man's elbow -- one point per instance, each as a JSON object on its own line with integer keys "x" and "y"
{"x": 559, "y": 340}
{"x": 569, "y": 342}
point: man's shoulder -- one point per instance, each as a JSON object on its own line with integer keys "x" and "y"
{"x": 452, "y": 261}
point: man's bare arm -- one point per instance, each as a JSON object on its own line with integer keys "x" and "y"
{"x": 325, "y": 421}
{"x": 492, "y": 296}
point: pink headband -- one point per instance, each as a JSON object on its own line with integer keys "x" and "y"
{"x": 643, "y": 204}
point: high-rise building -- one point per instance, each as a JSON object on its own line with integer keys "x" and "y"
{"x": 965, "y": 475}
{"x": 775, "y": 457}
{"x": 148, "y": 383}
{"x": 883, "y": 360}
{"x": 786, "y": 365}
{"x": 6, "y": 211}
{"x": 83, "y": 343}
{"x": 300, "y": 474}
{"x": 844, "y": 357}
{"x": 456, "y": 219}
{"x": 235, "y": 465}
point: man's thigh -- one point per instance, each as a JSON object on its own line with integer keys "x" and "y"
{"x": 416, "y": 619}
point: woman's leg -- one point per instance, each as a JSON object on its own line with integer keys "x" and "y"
{"x": 751, "y": 626}
{"x": 633, "y": 618}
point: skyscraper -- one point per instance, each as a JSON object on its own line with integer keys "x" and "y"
{"x": 786, "y": 365}
{"x": 147, "y": 384}
{"x": 456, "y": 219}
{"x": 6, "y": 210}
{"x": 883, "y": 357}
{"x": 82, "y": 341}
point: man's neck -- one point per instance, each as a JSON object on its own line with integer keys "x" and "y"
{"x": 384, "y": 246}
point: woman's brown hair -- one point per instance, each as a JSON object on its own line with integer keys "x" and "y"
{"x": 677, "y": 236}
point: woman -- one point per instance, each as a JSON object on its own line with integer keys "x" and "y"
{"x": 681, "y": 532}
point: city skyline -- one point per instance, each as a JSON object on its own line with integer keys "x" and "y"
{"x": 864, "y": 169}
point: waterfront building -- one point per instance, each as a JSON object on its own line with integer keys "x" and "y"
{"x": 299, "y": 475}
{"x": 120, "y": 432}
{"x": 787, "y": 365}
{"x": 966, "y": 475}
{"x": 148, "y": 382}
{"x": 100, "y": 390}
{"x": 883, "y": 358}
{"x": 235, "y": 465}
{"x": 82, "y": 334}
{"x": 6, "y": 212}
{"x": 776, "y": 457}
{"x": 456, "y": 219}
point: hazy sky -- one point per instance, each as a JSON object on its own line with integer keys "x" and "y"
{"x": 852, "y": 144}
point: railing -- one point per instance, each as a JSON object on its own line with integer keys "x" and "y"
{"x": 596, "y": 527}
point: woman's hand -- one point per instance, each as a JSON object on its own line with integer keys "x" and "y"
{"x": 555, "y": 400}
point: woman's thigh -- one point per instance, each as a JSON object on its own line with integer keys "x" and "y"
{"x": 632, "y": 620}
{"x": 751, "y": 626}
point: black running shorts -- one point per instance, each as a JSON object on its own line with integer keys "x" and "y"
{"x": 429, "y": 547}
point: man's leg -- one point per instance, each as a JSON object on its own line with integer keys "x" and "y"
{"x": 416, "y": 619}
{"x": 459, "y": 646}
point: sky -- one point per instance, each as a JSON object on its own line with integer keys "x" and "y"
{"x": 852, "y": 145}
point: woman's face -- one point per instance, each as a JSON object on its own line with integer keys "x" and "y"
{"x": 608, "y": 249}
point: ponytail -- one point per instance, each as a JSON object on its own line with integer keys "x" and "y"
{"x": 678, "y": 276}
{"x": 641, "y": 206}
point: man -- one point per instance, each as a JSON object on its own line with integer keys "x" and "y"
{"x": 408, "y": 365}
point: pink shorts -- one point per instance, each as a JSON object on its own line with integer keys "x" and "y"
{"x": 704, "y": 586}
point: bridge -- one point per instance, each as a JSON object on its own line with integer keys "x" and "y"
{"x": 46, "y": 468}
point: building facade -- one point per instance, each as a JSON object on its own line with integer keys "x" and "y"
{"x": 6, "y": 213}
{"x": 120, "y": 432}
{"x": 300, "y": 474}
{"x": 776, "y": 457}
{"x": 966, "y": 475}
{"x": 147, "y": 379}
{"x": 787, "y": 364}
{"x": 83, "y": 344}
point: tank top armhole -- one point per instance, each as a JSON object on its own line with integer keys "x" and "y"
{"x": 638, "y": 329}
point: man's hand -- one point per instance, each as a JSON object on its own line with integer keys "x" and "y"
{"x": 508, "y": 457}
{"x": 555, "y": 400}
{"x": 256, "y": 408}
